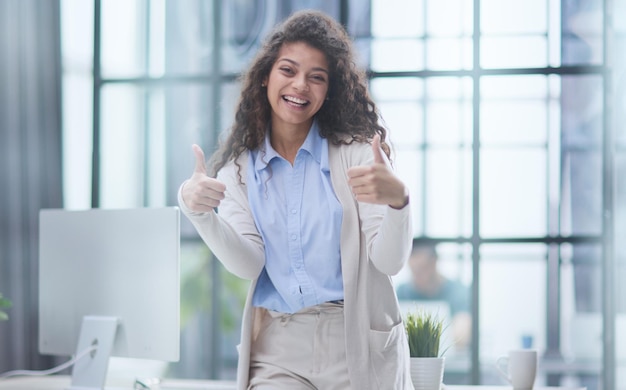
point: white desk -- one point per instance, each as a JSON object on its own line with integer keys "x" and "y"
{"x": 487, "y": 387}
{"x": 61, "y": 382}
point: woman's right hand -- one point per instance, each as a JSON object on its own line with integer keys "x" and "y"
{"x": 202, "y": 193}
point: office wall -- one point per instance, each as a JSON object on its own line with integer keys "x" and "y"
{"x": 30, "y": 163}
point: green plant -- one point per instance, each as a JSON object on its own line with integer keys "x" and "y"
{"x": 424, "y": 331}
{"x": 4, "y": 304}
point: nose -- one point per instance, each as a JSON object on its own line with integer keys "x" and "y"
{"x": 300, "y": 84}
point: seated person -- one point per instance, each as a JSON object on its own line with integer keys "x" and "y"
{"x": 428, "y": 284}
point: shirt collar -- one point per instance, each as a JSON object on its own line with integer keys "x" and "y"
{"x": 313, "y": 144}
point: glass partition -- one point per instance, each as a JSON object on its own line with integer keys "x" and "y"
{"x": 497, "y": 114}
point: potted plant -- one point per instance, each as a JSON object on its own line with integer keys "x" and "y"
{"x": 424, "y": 330}
{"x": 4, "y": 304}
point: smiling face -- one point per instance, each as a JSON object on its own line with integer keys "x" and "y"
{"x": 297, "y": 86}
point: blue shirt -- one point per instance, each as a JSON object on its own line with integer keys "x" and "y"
{"x": 299, "y": 217}
{"x": 451, "y": 291}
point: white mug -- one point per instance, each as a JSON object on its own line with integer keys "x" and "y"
{"x": 520, "y": 368}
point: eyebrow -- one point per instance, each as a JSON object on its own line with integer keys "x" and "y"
{"x": 319, "y": 69}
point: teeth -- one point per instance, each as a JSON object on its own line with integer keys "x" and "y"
{"x": 295, "y": 100}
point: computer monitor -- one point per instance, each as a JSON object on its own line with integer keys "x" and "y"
{"x": 110, "y": 279}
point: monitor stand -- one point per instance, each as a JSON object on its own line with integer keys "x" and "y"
{"x": 90, "y": 371}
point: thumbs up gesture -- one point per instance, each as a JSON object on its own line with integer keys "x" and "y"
{"x": 377, "y": 183}
{"x": 202, "y": 193}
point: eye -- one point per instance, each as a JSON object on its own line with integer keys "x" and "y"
{"x": 286, "y": 69}
{"x": 319, "y": 77}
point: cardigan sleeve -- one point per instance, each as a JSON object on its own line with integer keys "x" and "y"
{"x": 388, "y": 232}
{"x": 230, "y": 232}
{"x": 390, "y": 246}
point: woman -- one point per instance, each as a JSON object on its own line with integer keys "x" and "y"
{"x": 312, "y": 213}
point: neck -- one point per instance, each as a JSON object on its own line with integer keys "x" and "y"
{"x": 287, "y": 140}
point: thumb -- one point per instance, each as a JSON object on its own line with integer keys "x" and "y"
{"x": 200, "y": 164}
{"x": 377, "y": 150}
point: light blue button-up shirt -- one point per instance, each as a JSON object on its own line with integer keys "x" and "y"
{"x": 299, "y": 217}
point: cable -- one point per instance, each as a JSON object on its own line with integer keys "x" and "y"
{"x": 51, "y": 370}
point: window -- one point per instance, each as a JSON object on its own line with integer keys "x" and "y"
{"x": 496, "y": 109}
{"x": 497, "y": 112}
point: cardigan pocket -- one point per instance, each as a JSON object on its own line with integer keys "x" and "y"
{"x": 387, "y": 357}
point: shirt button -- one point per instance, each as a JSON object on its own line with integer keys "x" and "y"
{"x": 293, "y": 211}
{"x": 293, "y": 237}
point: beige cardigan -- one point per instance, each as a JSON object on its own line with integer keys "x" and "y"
{"x": 375, "y": 243}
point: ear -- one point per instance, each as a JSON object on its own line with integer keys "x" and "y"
{"x": 264, "y": 82}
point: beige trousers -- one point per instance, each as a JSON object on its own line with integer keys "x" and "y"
{"x": 305, "y": 350}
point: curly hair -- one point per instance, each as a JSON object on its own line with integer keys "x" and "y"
{"x": 347, "y": 116}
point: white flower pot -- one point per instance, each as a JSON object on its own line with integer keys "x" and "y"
{"x": 427, "y": 373}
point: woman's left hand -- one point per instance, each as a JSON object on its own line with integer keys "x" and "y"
{"x": 377, "y": 183}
